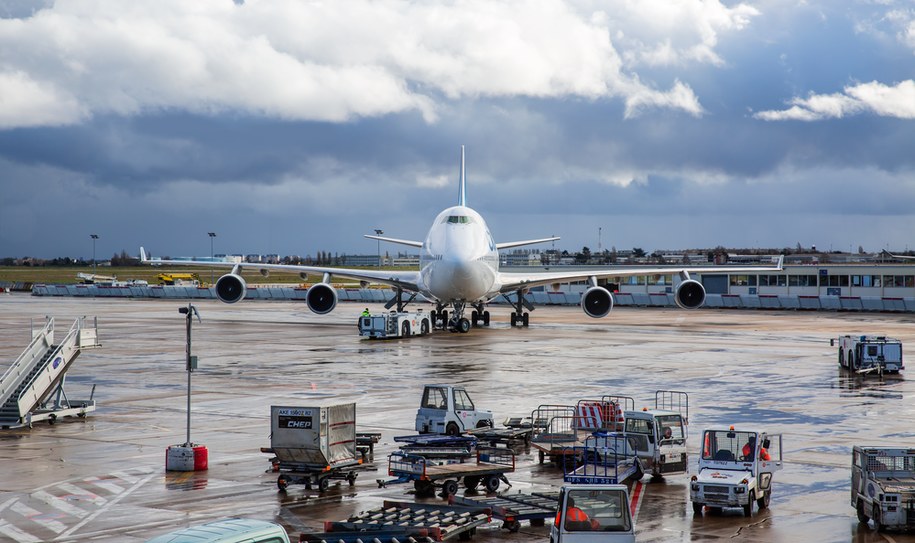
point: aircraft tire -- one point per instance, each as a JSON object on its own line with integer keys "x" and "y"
{"x": 463, "y": 326}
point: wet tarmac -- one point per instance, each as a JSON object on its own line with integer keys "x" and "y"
{"x": 102, "y": 478}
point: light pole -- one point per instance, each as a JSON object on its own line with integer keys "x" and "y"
{"x": 212, "y": 271}
{"x": 94, "y": 237}
{"x": 190, "y": 363}
{"x": 378, "y": 233}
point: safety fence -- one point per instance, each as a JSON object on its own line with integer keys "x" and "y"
{"x": 623, "y": 299}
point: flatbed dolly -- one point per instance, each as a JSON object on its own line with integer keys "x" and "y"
{"x": 511, "y": 509}
{"x": 417, "y": 520}
{"x": 489, "y": 469}
{"x": 316, "y": 475}
{"x": 438, "y": 446}
{"x": 502, "y": 436}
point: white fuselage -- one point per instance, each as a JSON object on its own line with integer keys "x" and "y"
{"x": 459, "y": 261}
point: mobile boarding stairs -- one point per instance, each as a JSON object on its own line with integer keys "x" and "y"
{"x": 32, "y": 389}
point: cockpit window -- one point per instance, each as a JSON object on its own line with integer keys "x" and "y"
{"x": 458, "y": 219}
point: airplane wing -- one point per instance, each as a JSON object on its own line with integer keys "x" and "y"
{"x": 510, "y": 244}
{"x": 513, "y": 281}
{"x": 395, "y": 240}
{"x": 407, "y": 280}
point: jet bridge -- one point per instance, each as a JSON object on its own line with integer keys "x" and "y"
{"x": 32, "y": 389}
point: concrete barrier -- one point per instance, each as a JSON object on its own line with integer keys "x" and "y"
{"x": 622, "y": 299}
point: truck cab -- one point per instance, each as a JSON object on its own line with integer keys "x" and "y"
{"x": 659, "y": 437}
{"x": 735, "y": 469}
{"x": 593, "y": 514}
{"x": 883, "y": 486}
{"x": 448, "y": 409}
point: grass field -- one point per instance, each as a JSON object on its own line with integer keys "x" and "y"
{"x": 52, "y": 275}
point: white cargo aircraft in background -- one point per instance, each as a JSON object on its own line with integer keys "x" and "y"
{"x": 459, "y": 267}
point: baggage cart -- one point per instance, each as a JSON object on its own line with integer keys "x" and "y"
{"x": 511, "y": 509}
{"x": 489, "y": 469}
{"x": 314, "y": 445}
{"x": 402, "y": 520}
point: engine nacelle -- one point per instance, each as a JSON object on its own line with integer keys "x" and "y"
{"x": 690, "y": 294}
{"x": 231, "y": 288}
{"x": 597, "y": 302}
{"x": 321, "y": 298}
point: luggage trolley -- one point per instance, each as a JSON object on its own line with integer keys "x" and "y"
{"x": 314, "y": 445}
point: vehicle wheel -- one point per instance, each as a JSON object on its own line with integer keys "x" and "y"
{"x": 492, "y": 483}
{"x": 763, "y": 502}
{"x": 471, "y": 483}
{"x": 424, "y": 327}
{"x": 282, "y": 483}
{"x": 405, "y": 329}
{"x": 474, "y": 317}
{"x": 542, "y": 456}
{"x": 862, "y": 516}
{"x": 748, "y": 508}
{"x": 452, "y": 429}
{"x": 484, "y": 424}
{"x": 323, "y": 484}
{"x": 423, "y": 488}
{"x": 466, "y": 536}
{"x": 638, "y": 472}
{"x": 449, "y": 488}
{"x": 851, "y": 362}
{"x": 463, "y": 325}
{"x": 444, "y": 316}
{"x": 351, "y": 479}
{"x": 876, "y": 518}
{"x": 514, "y": 320}
{"x": 525, "y": 320}
{"x": 841, "y": 358}
{"x": 697, "y": 508}
{"x": 512, "y": 526}
{"x": 486, "y": 318}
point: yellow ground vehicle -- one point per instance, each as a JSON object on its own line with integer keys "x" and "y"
{"x": 178, "y": 279}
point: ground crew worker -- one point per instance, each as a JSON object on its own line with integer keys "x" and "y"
{"x": 365, "y": 312}
{"x": 576, "y": 519}
{"x": 750, "y": 447}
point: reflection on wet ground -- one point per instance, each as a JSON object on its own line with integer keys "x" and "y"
{"x": 102, "y": 478}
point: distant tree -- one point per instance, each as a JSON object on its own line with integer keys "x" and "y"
{"x": 638, "y": 252}
{"x": 584, "y": 256}
{"x": 860, "y": 250}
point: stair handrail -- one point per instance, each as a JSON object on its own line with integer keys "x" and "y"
{"x": 41, "y": 342}
{"x": 43, "y": 383}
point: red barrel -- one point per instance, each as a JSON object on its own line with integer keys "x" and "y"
{"x": 200, "y": 458}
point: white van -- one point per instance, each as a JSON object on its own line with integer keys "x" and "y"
{"x": 233, "y": 530}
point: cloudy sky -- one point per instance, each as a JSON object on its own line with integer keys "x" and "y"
{"x": 292, "y": 127}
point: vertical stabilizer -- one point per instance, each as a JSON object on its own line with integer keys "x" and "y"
{"x": 462, "y": 201}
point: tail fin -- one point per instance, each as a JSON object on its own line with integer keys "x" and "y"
{"x": 462, "y": 200}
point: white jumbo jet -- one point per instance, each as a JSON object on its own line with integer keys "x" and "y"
{"x": 459, "y": 267}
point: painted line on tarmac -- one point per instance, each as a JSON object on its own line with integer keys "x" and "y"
{"x": 60, "y": 504}
{"x": 42, "y": 519}
{"x": 82, "y": 494}
{"x": 108, "y": 506}
{"x": 635, "y": 502}
{"x": 16, "y": 534}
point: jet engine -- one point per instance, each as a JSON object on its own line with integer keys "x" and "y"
{"x": 690, "y": 294}
{"x": 597, "y": 302}
{"x": 321, "y": 298}
{"x": 231, "y": 288}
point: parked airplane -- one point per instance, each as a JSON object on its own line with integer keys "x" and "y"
{"x": 459, "y": 267}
